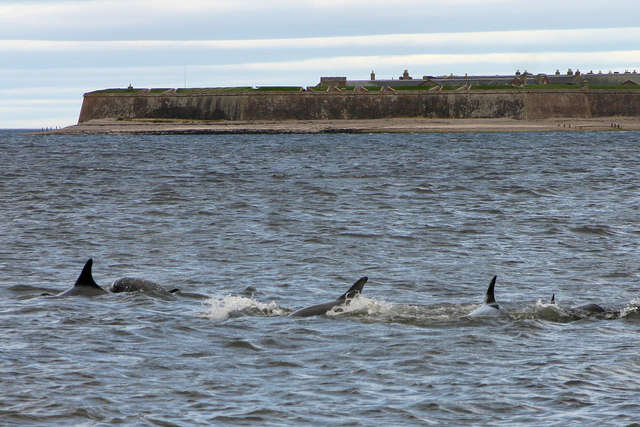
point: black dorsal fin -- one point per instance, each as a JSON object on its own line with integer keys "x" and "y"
{"x": 85, "y": 278}
{"x": 490, "y": 298}
{"x": 553, "y": 298}
{"x": 355, "y": 289}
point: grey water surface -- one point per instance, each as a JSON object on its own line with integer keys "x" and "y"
{"x": 262, "y": 225}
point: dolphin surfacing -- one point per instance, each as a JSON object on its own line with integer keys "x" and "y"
{"x": 590, "y": 308}
{"x": 585, "y": 309}
{"x": 134, "y": 284}
{"x": 85, "y": 285}
{"x": 490, "y": 306}
{"x": 345, "y": 298}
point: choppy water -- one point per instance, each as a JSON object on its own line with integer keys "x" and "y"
{"x": 263, "y": 225}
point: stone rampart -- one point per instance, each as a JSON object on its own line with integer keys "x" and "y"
{"x": 234, "y": 106}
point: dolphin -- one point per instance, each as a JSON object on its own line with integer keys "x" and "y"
{"x": 133, "y": 284}
{"x": 345, "y": 298}
{"x": 587, "y": 309}
{"x": 490, "y": 306}
{"x": 85, "y": 285}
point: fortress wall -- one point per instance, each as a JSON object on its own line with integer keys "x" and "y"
{"x": 614, "y": 103}
{"x": 541, "y": 105}
{"x": 100, "y": 107}
{"x": 517, "y": 104}
{"x": 172, "y": 106}
{"x": 475, "y": 105}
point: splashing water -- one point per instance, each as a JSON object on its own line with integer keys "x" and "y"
{"x": 552, "y": 312}
{"x": 632, "y": 310}
{"x": 361, "y": 305}
{"x": 222, "y": 307}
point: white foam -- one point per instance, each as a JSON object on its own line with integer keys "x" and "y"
{"x": 544, "y": 304}
{"x": 362, "y": 305}
{"x": 632, "y": 308}
{"x": 220, "y": 307}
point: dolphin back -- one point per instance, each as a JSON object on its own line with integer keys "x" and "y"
{"x": 134, "y": 284}
{"x": 590, "y": 308}
{"x": 490, "y": 306}
{"x": 315, "y": 310}
{"x": 320, "y": 309}
{"x": 86, "y": 278}
{"x": 355, "y": 289}
{"x": 490, "y": 297}
{"x": 85, "y": 285}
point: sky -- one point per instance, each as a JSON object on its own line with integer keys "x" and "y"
{"x": 53, "y": 51}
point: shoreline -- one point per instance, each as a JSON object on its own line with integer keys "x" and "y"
{"x": 387, "y": 125}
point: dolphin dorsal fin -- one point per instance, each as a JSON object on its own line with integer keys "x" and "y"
{"x": 490, "y": 298}
{"x": 86, "y": 278}
{"x": 355, "y": 289}
{"x": 553, "y": 298}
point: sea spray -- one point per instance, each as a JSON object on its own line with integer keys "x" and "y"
{"x": 631, "y": 310}
{"x": 222, "y": 307}
{"x": 362, "y": 305}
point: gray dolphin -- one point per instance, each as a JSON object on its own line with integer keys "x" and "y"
{"x": 590, "y": 308}
{"x": 345, "y": 298}
{"x": 85, "y": 285}
{"x": 587, "y": 309}
{"x": 490, "y": 307}
{"x": 133, "y": 284}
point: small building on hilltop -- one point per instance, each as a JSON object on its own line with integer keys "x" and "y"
{"x": 333, "y": 81}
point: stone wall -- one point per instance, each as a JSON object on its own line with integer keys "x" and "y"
{"x": 516, "y": 104}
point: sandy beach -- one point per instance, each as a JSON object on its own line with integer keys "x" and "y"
{"x": 397, "y": 125}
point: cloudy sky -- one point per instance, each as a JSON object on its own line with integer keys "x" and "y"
{"x": 53, "y": 51}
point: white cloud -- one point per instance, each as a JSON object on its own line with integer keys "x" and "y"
{"x": 307, "y": 71}
{"x": 184, "y": 19}
{"x": 35, "y": 92}
{"x": 37, "y": 10}
{"x": 489, "y": 41}
{"x": 26, "y": 103}
{"x": 50, "y": 11}
{"x": 428, "y": 61}
{"x": 39, "y": 123}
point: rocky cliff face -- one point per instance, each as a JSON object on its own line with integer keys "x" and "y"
{"x": 516, "y": 104}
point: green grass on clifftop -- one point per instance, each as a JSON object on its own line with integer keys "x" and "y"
{"x": 351, "y": 89}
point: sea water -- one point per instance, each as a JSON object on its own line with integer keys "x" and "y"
{"x": 252, "y": 227}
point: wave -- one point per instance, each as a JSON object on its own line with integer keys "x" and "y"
{"x": 223, "y": 307}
